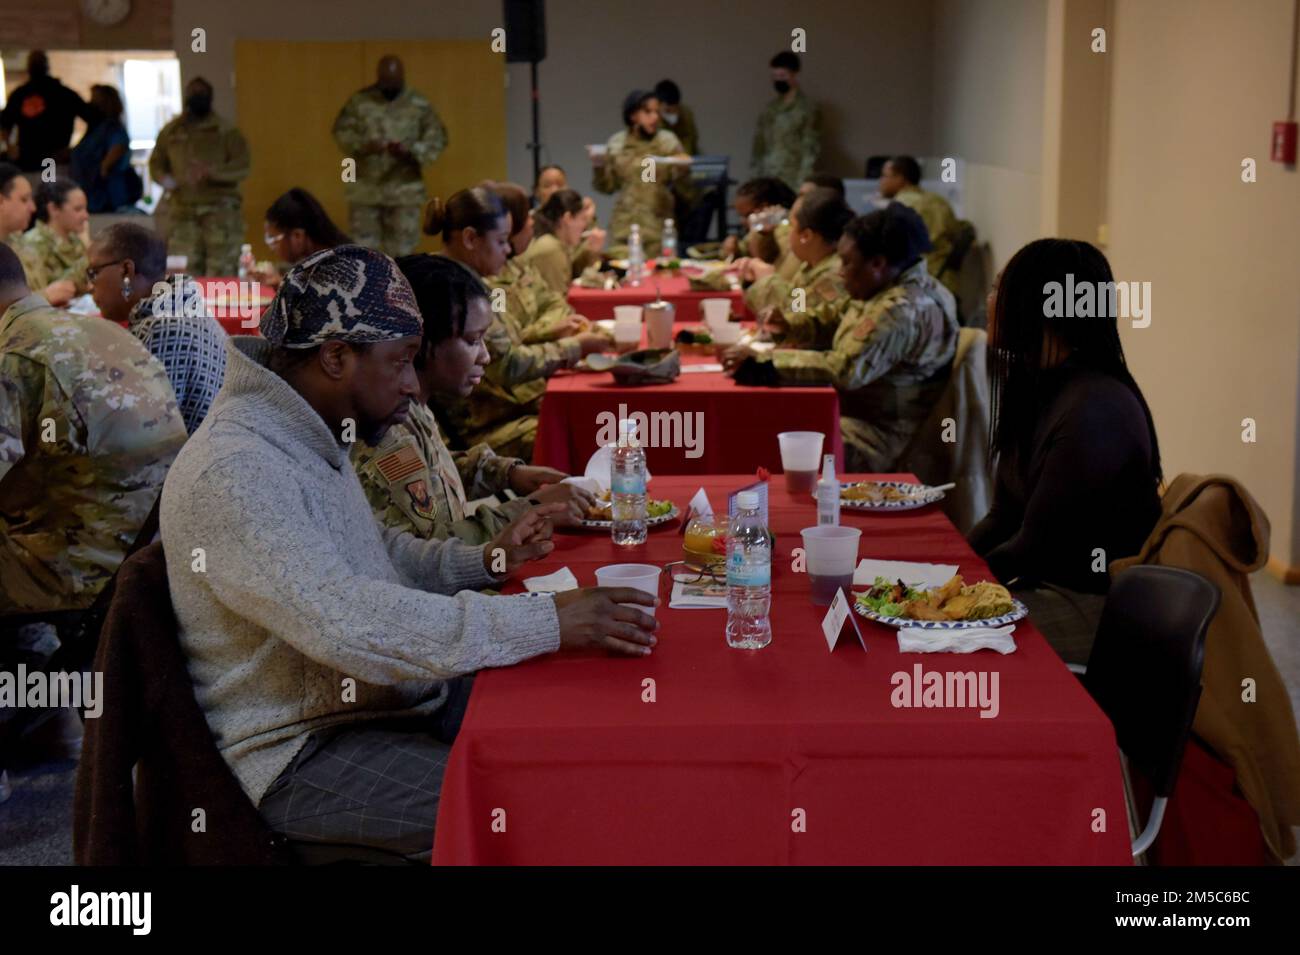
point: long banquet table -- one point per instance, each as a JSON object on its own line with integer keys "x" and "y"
{"x": 561, "y": 760}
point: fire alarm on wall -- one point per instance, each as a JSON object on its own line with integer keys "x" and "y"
{"x": 1284, "y": 142}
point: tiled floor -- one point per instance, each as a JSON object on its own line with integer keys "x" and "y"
{"x": 36, "y": 822}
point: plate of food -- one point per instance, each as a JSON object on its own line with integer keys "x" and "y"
{"x": 888, "y": 495}
{"x": 954, "y": 606}
{"x": 599, "y": 516}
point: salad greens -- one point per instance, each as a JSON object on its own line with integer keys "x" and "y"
{"x": 658, "y": 508}
{"x": 887, "y": 598}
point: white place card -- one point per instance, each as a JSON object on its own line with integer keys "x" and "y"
{"x": 836, "y": 615}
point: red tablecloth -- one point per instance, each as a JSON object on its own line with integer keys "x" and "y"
{"x": 599, "y": 303}
{"x": 739, "y": 425}
{"x": 236, "y": 306}
{"x": 565, "y": 753}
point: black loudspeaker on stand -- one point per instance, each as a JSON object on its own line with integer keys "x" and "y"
{"x": 526, "y": 43}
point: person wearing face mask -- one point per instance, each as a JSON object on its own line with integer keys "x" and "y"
{"x": 53, "y": 251}
{"x": 641, "y": 199}
{"x": 787, "y": 138}
{"x": 392, "y": 132}
{"x": 890, "y": 353}
{"x": 43, "y": 110}
{"x": 297, "y": 226}
{"x": 476, "y": 229}
{"x": 200, "y": 159}
{"x": 412, "y": 481}
{"x": 677, "y": 116}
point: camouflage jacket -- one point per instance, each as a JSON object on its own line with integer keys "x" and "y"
{"x": 645, "y": 203}
{"x": 824, "y": 300}
{"x": 415, "y": 484}
{"x": 786, "y": 140}
{"x": 209, "y": 140}
{"x": 46, "y": 258}
{"x": 88, "y": 428}
{"x": 940, "y": 222}
{"x": 552, "y": 260}
{"x": 515, "y": 379}
{"x": 888, "y": 357}
{"x": 382, "y": 178}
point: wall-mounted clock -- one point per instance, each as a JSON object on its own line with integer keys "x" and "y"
{"x": 106, "y": 13}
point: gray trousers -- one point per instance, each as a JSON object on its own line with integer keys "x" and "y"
{"x": 368, "y": 792}
{"x": 1067, "y": 618}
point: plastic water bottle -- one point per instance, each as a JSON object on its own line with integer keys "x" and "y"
{"x": 828, "y": 493}
{"x": 749, "y": 577}
{"x": 246, "y": 261}
{"x": 627, "y": 488}
{"x": 668, "y": 246}
{"x": 635, "y": 256}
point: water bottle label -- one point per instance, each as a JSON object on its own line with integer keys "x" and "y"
{"x": 748, "y": 573}
{"x": 628, "y": 484}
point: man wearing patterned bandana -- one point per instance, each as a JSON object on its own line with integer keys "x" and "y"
{"x": 324, "y": 648}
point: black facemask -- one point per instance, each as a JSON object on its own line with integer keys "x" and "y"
{"x": 199, "y": 105}
{"x": 391, "y": 95}
{"x": 781, "y": 86}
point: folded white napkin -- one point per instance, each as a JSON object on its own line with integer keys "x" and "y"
{"x": 586, "y": 483}
{"x": 680, "y": 600}
{"x": 555, "y": 583}
{"x": 701, "y": 368}
{"x": 913, "y": 640}
{"x": 598, "y": 467}
{"x": 921, "y": 576}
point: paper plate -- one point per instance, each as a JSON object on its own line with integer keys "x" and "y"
{"x": 650, "y": 522}
{"x": 1018, "y": 612}
{"x": 921, "y": 495}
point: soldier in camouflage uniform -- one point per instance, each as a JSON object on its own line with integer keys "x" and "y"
{"x": 890, "y": 356}
{"x": 200, "y": 159}
{"x": 51, "y": 250}
{"x": 786, "y": 139}
{"x": 899, "y": 181}
{"x": 88, "y": 428}
{"x": 391, "y": 131}
{"x": 624, "y": 170}
{"x": 805, "y": 310}
{"x": 412, "y": 481}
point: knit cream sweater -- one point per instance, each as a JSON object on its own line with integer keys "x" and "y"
{"x": 295, "y": 609}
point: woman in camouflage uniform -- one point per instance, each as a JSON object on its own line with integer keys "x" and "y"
{"x": 412, "y": 481}
{"x": 476, "y": 227}
{"x": 52, "y": 251}
{"x": 644, "y": 187}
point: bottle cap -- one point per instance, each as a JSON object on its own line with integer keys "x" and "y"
{"x": 627, "y": 425}
{"x": 668, "y": 222}
{"x": 828, "y": 467}
{"x": 747, "y": 500}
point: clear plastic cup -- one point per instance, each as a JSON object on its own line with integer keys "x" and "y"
{"x": 627, "y": 327}
{"x": 831, "y": 556}
{"x": 716, "y": 312}
{"x": 728, "y": 333}
{"x": 801, "y": 459}
{"x": 638, "y": 576}
{"x": 659, "y": 325}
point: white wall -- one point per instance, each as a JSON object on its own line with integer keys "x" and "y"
{"x": 988, "y": 64}
{"x": 1197, "y": 86}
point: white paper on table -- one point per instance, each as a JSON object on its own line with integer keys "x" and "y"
{"x": 598, "y": 468}
{"x": 590, "y": 485}
{"x": 920, "y": 576}
{"x": 968, "y": 640}
{"x": 555, "y": 583}
{"x": 699, "y": 369}
{"x": 679, "y": 600}
{"x": 699, "y": 505}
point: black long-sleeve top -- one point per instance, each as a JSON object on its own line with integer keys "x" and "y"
{"x": 1085, "y": 484}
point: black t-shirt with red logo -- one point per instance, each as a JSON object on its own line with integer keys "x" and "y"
{"x": 44, "y": 110}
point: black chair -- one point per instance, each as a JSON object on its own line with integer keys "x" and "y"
{"x": 1145, "y": 673}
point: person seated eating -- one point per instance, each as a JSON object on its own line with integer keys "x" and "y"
{"x": 531, "y": 338}
{"x": 900, "y": 180}
{"x": 559, "y": 225}
{"x": 766, "y": 236}
{"x": 1078, "y": 464}
{"x": 412, "y": 480}
{"x": 323, "y": 646}
{"x": 890, "y": 356}
{"x": 129, "y": 283}
{"x": 805, "y": 310}
{"x": 297, "y": 226}
{"x": 53, "y": 252}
